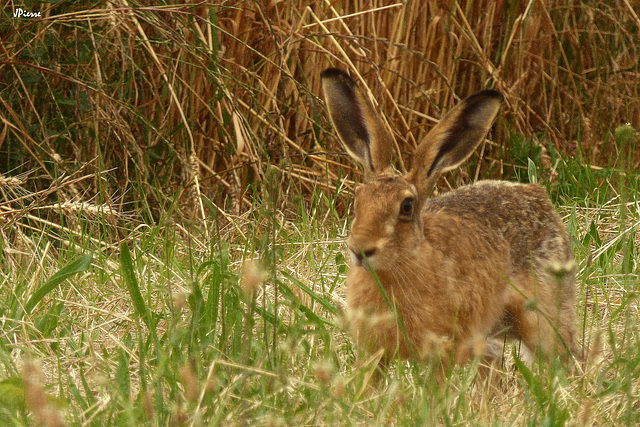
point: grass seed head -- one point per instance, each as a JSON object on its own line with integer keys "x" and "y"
{"x": 190, "y": 382}
{"x": 36, "y": 399}
{"x": 179, "y": 300}
{"x": 434, "y": 346}
{"x": 147, "y": 405}
{"x": 10, "y": 182}
{"x": 324, "y": 372}
{"x": 338, "y": 387}
{"x": 253, "y": 276}
{"x": 562, "y": 271}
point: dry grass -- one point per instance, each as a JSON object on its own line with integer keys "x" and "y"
{"x": 208, "y": 97}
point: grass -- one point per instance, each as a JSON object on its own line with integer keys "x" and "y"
{"x": 173, "y": 328}
{"x": 173, "y": 206}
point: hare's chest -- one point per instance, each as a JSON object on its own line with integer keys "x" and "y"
{"x": 376, "y": 315}
{"x": 408, "y": 316}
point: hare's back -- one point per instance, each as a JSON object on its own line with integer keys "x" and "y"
{"x": 521, "y": 214}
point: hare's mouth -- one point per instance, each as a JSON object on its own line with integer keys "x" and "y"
{"x": 361, "y": 257}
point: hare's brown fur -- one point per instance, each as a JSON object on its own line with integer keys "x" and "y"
{"x": 468, "y": 275}
{"x": 442, "y": 276}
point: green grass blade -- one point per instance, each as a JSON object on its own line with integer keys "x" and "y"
{"x": 324, "y": 302}
{"x": 77, "y": 266}
{"x": 12, "y": 393}
{"x": 536, "y": 387}
{"x": 126, "y": 264}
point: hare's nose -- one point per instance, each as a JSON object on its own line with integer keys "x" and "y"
{"x": 359, "y": 255}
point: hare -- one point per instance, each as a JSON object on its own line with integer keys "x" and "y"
{"x": 446, "y": 276}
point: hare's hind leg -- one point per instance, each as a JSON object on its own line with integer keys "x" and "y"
{"x": 543, "y": 316}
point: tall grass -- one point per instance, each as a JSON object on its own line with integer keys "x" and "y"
{"x": 206, "y": 96}
{"x": 173, "y": 205}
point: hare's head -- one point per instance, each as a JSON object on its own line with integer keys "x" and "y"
{"x": 387, "y": 223}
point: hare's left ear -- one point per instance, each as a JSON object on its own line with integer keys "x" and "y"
{"x": 453, "y": 139}
{"x": 360, "y": 129}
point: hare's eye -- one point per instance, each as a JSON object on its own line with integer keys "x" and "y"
{"x": 406, "y": 208}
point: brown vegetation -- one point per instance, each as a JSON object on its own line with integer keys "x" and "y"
{"x": 207, "y": 97}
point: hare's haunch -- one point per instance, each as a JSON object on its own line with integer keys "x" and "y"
{"x": 444, "y": 276}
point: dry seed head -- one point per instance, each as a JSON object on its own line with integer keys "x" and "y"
{"x": 210, "y": 385}
{"x": 384, "y": 320}
{"x": 179, "y": 299}
{"x": 595, "y": 349}
{"x": 86, "y": 209}
{"x": 147, "y": 405}
{"x": 434, "y": 345}
{"x": 194, "y": 178}
{"x": 479, "y": 346}
{"x": 561, "y": 271}
{"x": 344, "y": 318}
{"x": 179, "y": 417}
{"x": 189, "y": 381}
{"x": 10, "y": 182}
{"x": 354, "y": 319}
{"x": 290, "y": 346}
{"x": 194, "y": 165}
{"x": 253, "y": 276}
{"x": 338, "y": 387}
{"x": 36, "y": 399}
{"x": 585, "y": 414}
{"x": 586, "y": 125}
{"x": 33, "y": 386}
{"x": 324, "y": 372}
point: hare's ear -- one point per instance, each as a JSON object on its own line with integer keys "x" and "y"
{"x": 453, "y": 140}
{"x": 360, "y": 129}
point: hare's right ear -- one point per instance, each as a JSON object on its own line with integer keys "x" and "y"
{"x": 360, "y": 129}
{"x": 453, "y": 139}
